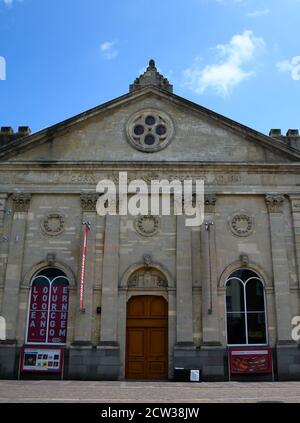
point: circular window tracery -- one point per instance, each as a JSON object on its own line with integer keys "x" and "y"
{"x": 150, "y": 130}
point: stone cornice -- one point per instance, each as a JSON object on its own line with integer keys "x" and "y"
{"x": 230, "y": 167}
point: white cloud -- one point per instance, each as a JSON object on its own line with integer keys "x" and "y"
{"x": 229, "y": 71}
{"x": 108, "y": 50}
{"x": 258, "y": 13}
{"x": 2, "y": 69}
{"x": 290, "y": 66}
{"x": 9, "y": 3}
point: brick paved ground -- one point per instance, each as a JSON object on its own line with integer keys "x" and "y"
{"x": 171, "y": 392}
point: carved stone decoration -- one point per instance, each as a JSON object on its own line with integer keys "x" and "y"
{"x": 274, "y": 203}
{"x": 21, "y": 202}
{"x": 241, "y": 224}
{"x": 210, "y": 203}
{"x": 147, "y": 259}
{"x": 53, "y": 224}
{"x": 147, "y": 225}
{"x": 88, "y": 202}
{"x": 149, "y": 130}
{"x": 51, "y": 259}
{"x": 151, "y": 77}
{"x": 146, "y": 278}
{"x": 244, "y": 259}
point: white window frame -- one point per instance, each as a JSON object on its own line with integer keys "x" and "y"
{"x": 245, "y": 312}
{"x": 48, "y": 310}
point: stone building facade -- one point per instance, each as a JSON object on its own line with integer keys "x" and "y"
{"x": 157, "y": 294}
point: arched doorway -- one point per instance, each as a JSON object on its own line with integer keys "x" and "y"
{"x": 147, "y": 337}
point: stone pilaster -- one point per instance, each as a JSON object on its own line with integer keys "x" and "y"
{"x": 84, "y": 319}
{"x": 13, "y": 274}
{"x": 295, "y": 203}
{"x": 3, "y": 199}
{"x": 110, "y": 279}
{"x": 275, "y": 204}
{"x": 184, "y": 285}
{"x": 210, "y": 314}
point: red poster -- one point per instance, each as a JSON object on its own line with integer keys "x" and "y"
{"x": 250, "y": 360}
{"x": 38, "y": 312}
{"x": 41, "y": 359}
{"x": 48, "y": 313}
{"x": 58, "y": 314}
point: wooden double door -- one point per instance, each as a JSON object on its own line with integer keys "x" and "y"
{"x": 147, "y": 338}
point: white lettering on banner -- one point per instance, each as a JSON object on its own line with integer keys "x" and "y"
{"x": 48, "y": 313}
{"x": 62, "y": 332}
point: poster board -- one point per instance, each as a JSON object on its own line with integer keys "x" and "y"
{"x": 250, "y": 361}
{"x": 41, "y": 359}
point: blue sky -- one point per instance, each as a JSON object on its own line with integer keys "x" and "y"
{"x": 240, "y": 58}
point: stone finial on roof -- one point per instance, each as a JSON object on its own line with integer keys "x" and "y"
{"x": 151, "y": 77}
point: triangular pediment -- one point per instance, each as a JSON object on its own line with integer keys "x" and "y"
{"x": 101, "y": 135}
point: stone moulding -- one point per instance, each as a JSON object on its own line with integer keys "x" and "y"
{"x": 241, "y": 223}
{"x": 53, "y": 224}
{"x": 147, "y": 225}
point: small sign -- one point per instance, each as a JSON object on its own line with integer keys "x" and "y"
{"x": 41, "y": 360}
{"x": 195, "y": 376}
{"x": 250, "y": 360}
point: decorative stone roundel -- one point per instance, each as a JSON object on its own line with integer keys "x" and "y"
{"x": 149, "y": 130}
{"x": 241, "y": 224}
{"x": 147, "y": 225}
{"x": 53, "y": 224}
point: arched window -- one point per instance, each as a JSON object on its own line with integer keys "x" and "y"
{"x": 48, "y": 309}
{"x": 245, "y": 309}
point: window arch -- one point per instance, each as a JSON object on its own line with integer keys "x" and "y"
{"x": 48, "y": 307}
{"x": 245, "y": 309}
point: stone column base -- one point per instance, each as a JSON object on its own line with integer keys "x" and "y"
{"x": 287, "y": 361}
{"x": 9, "y": 357}
{"x": 212, "y": 361}
{"x": 94, "y": 363}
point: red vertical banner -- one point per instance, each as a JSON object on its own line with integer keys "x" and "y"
{"x": 38, "y": 312}
{"x": 58, "y": 312}
{"x": 83, "y": 263}
{"x": 48, "y": 312}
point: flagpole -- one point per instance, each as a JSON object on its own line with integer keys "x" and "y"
{"x": 87, "y": 227}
